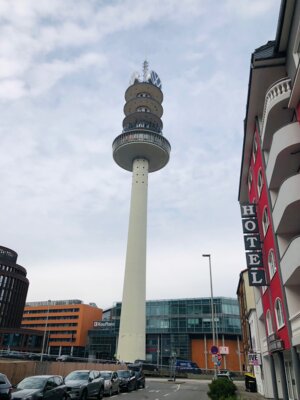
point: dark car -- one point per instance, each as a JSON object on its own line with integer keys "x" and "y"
{"x": 139, "y": 375}
{"x": 127, "y": 380}
{"x": 187, "y": 366}
{"x": 83, "y": 384}
{"x": 5, "y": 388}
{"x": 50, "y": 387}
{"x": 146, "y": 365}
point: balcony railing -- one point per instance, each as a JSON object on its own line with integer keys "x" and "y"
{"x": 141, "y": 136}
{"x": 277, "y": 92}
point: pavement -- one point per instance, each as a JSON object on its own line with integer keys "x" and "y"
{"x": 242, "y": 394}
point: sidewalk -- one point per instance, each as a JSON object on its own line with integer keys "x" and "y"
{"x": 243, "y": 395}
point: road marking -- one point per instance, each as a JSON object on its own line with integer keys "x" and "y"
{"x": 167, "y": 394}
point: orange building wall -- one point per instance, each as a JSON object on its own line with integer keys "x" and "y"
{"x": 232, "y": 359}
{"x": 86, "y": 316}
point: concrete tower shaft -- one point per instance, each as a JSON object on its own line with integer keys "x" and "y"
{"x": 141, "y": 148}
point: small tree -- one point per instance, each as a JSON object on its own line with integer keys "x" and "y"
{"x": 222, "y": 389}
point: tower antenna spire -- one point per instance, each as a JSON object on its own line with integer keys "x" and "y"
{"x": 145, "y": 70}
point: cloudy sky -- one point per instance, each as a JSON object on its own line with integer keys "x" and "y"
{"x": 64, "y": 68}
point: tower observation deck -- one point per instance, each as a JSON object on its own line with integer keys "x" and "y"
{"x": 140, "y": 148}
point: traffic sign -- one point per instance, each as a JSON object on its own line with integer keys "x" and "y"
{"x": 214, "y": 350}
{"x": 214, "y": 358}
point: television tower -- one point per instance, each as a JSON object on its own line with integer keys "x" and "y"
{"x": 141, "y": 148}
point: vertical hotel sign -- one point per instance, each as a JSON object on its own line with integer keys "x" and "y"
{"x": 252, "y": 242}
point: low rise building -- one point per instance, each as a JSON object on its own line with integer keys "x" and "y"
{"x": 180, "y": 328}
{"x": 65, "y": 324}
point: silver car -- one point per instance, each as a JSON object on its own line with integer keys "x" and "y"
{"x": 82, "y": 384}
{"x": 111, "y": 382}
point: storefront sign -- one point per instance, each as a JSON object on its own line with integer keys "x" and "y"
{"x": 254, "y": 359}
{"x": 104, "y": 324}
{"x": 252, "y": 242}
{"x": 223, "y": 349}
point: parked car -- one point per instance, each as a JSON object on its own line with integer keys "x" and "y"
{"x": 111, "y": 382}
{"x": 82, "y": 384}
{"x": 139, "y": 375}
{"x": 50, "y": 387}
{"x": 226, "y": 371}
{"x": 224, "y": 376}
{"x": 127, "y": 380}
{"x": 5, "y": 388}
{"x": 187, "y": 366}
{"x": 146, "y": 365}
{"x": 14, "y": 354}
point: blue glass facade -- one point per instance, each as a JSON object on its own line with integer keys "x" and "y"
{"x": 170, "y": 327}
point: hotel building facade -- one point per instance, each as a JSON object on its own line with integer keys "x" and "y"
{"x": 270, "y": 185}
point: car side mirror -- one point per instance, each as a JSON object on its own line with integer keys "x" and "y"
{"x": 90, "y": 379}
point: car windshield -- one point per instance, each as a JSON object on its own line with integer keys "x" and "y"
{"x": 78, "y": 376}
{"x": 124, "y": 374}
{"x": 106, "y": 375}
{"x": 2, "y": 381}
{"x": 223, "y": 376}
{"x": 34, "y": 382}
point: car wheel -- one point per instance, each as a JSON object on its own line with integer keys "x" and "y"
{"x": 101, "y": 394}
{"x": 84, "y": 395}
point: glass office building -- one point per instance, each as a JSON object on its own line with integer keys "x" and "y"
{"x": 181, "y": 327}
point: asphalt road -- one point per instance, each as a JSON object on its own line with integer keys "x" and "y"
{"x": 162, "y": 389}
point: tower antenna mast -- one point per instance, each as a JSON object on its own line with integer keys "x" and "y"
{"x": 141, "y": 148}
{"x": 145, "y": 70}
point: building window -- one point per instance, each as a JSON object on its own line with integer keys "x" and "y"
{"x": 260, "y": 182}
{"x": 269, "y": 323}
{"x": 143, "y": 109}
{"x": 271, "y": 263}
{"x": 265, "y": 221}
{"x": 143, "y": 95}
{"x": 279, "y": 313}
{"x": 296, "y": 49}
{"x": 254, "y": 150}
{"x": 250, "y": 178}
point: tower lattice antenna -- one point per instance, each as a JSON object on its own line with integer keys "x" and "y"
{"x": 145, "y": 70}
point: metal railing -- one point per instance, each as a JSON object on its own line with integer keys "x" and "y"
{"x": 141, "y": 136}
{"x": 279, "y": 88}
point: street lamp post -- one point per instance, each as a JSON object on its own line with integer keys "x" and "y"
{"x": 212, "y": 307}
{"x": 45, "y": 331}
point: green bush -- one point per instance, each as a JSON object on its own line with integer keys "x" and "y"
{"x": 222, "y": 389}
